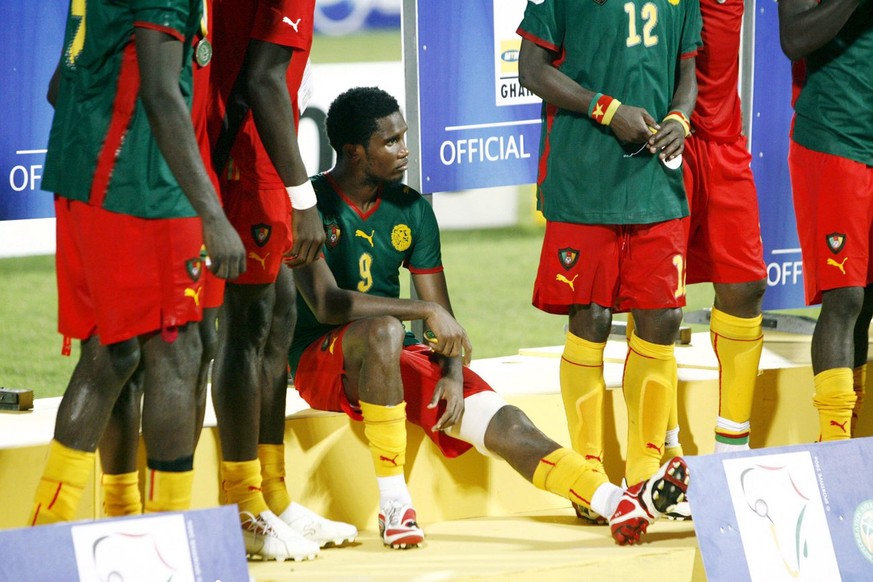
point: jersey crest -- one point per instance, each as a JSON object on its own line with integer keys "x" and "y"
{"x": 333, "y": 233}
{"x": 836, "y": 241}
{"x": 568, "y": 257}
{"x": 401, "y": 237}
{"x": 261, "y": 233}
{"x": 194, "y": 267}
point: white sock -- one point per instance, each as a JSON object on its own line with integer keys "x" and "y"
{"x": 393, "y": 489}
{"x": 605, "y": 499}
{"x": 728, "y": 448}
{"x": 672, "y": 438}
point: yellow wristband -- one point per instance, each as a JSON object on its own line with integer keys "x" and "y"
{"x": 610, "y": 111}
{"x": 683, "y": 121}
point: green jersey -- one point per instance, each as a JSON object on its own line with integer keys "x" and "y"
{"x": 834, "y": 111}
{"x": 629, "y": 50}
{"x": 366, "y": 250}
{"x": 101, "y": 149}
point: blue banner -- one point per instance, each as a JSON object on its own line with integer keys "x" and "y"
{"x": 479, "y": 128}
{"x": 31, "y": 36}
{"x": 770, "y": 122}
{"x": 196, "y": 546}
{"x": 341, "y": 17}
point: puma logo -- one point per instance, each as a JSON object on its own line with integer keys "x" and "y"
{"x": 841, "y": 425}
{"x": 839, "y": 266}
{"x": 253, "y": 488}
{"x": 364, "y": 235}
{"x": 593, "y": 458}
{"x": 194, "y": 294}
{"x": 262, "y": 261}
{"x": 292, "y": 23}
{"x": 563, "y": 279}
{"x": 655, "y": 447}
{"x": 393, "y": 460}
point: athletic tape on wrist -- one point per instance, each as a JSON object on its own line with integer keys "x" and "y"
{"x": 302, "y": 196}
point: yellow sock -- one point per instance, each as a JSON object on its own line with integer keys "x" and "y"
{"x": 737, "y": 342}
{"x": 859, "y": 383}
{"x": 835, "y": 400}
{"x": 385, "y": 429}
{"x": 568, "y": 474}
{"x": 272, "y": 458}
{"x": 121, "y": 494}
{"x": 583, "y": 388}
{"x": 168, "y": 490}
{"x": 649, "y": 387}
{"x": 241, "y": 482}
{"x": 65, "y": 475}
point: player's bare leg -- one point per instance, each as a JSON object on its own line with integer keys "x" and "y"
{"x": 94, "y": 386}
{"x": 238, "y": 378}
{"x": 271, "y": 441}
{"x": 371, "y": 352}
{"x": 861, "y": 337}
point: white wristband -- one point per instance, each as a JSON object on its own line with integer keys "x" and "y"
{"x": 302, "y": 196}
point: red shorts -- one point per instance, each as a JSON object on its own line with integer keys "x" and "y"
{"x": 320, "y": 373}
{"x": 623, "y": 267}
{"x": 263, "y": 220}
{"x": 833, "y": 202}
{"x": 724, "y": 238}
{"x": 120, "y": 276}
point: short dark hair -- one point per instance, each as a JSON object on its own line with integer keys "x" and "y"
{"x": 351, "y": 118}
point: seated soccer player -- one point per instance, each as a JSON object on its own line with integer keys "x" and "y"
{"x": 351, "y": 353}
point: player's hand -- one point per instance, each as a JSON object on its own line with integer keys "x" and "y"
{"x": 445, "y": 335}
{"x": 308, "y": 233}
{"x": 667, "y": 140}
{"x": 631, "y": 124}
{"x": 450, "y": 389}
{"x": 226, "y": 253}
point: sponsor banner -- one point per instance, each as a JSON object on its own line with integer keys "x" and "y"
{"x": 786, "y": 513}
{"x": 478, "y": 127}
{"x": 769, "y": 123}
{"x": 194, "y": 546}
{"x": 341, "y": 17}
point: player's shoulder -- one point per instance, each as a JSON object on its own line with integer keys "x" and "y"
{"x": 401, "y": 194}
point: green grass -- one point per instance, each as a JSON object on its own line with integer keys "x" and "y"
{"x": 30, "y": 345}
{"x": 357, "y": 48}
{"x": 490, "y": 275}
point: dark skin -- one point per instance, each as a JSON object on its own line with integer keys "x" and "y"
{"x": 630, "y": 124}
{"x": 257, "y": 321}
{"x": 373, "y": 339}
{"x": 168, "y": 371}
{"x": 840, "y": 336}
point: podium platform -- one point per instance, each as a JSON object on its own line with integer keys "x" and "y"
{"x": 482, "y": 520}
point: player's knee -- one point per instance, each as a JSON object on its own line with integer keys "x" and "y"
{"x": 740, "y": 299}
{"x": 125, "y": 357}
{"x": 385, "y": 335}
{"x": 844, "y": 304}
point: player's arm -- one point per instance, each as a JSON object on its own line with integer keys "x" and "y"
{"x": 160, "y": 57}
{"x": 266, "y": 66}
{"x": 432, "y": 287}
{"x": 333, "y": 305}
{"x": 807, "y": 25}
{"x": 537, "y": 74}
{"x": 669, "y": 141}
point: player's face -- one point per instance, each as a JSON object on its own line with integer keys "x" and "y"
{"x": 387, "y": 155}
